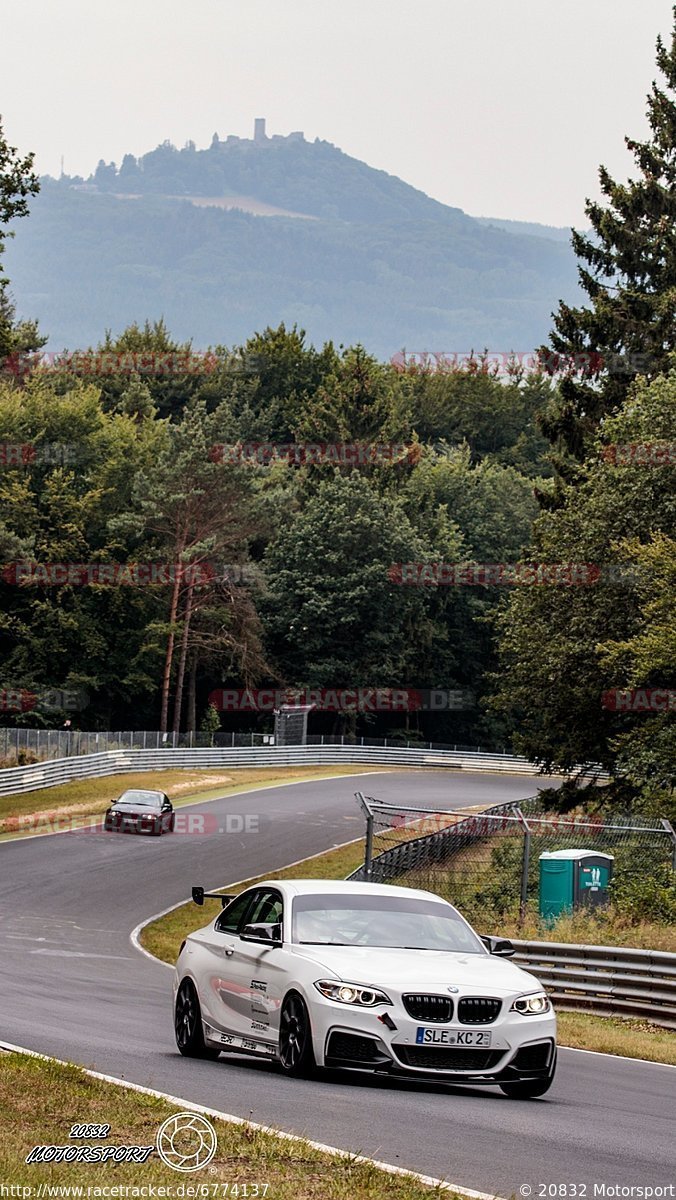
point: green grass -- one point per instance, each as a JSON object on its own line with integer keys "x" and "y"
{"x": 40, "y": 1100}
{"x": 38, "y": 811}
{"x": 617, "y": 1035}
{"x": 608, "y": 928}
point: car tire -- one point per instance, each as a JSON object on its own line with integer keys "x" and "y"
{"x": 188, "y": 1024}
{"x": 296, "y": 1056}
{"x": 172, "y": 823}
{"x": 529, "y": 1089}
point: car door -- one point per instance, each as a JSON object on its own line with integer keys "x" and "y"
{"x": 217, "y": 970}
{"x": 256, "y": 974}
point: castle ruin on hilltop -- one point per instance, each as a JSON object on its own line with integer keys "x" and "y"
{"x": 260, "y": 137}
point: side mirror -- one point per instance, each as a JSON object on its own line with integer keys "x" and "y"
{"x": 199, "y": 896}
{"x": 266, "y": 935}
{"x": 502, "y": 947}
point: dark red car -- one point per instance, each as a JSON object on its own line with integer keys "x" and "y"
{"x": 140, "y": 811}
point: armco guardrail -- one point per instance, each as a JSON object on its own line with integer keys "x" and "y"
{"x": 111, "y": 762}
{"x": 40, "y": 744}
{"x": 605, "y": 979}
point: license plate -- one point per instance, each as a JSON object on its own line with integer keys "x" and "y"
{"x": 451, "y": 1037}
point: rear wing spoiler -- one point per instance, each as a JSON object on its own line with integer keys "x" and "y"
{"x": 199, "y": 896}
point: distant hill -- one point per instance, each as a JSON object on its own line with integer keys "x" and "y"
{"x": 357, "y": 254}
{"x": 557, "y": 233}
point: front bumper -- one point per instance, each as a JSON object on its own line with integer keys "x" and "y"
{"x": 131, "y": 824}
{"x": 521, "y": 1047}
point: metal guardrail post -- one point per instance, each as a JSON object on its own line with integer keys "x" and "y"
{"x": 368, "y": 852}
{"x": 525, "y": 864}
{"x": 672, "y": 833}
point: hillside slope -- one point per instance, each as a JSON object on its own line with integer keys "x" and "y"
{"x": 379, "y": 262}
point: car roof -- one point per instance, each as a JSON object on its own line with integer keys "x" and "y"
{"x": 344, "y": 887}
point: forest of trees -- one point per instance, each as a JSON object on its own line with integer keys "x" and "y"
{"x": 287, "y": 571}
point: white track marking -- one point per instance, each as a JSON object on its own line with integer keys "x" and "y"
{"x": 646, "y": 1062}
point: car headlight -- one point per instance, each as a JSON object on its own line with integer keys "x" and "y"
{"x": 351, "y": 993}
{"x": 533, "y": 1005}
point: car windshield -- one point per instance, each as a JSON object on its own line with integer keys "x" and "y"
{"x": 136, "y": 799}
{"x": 396, "y": 922}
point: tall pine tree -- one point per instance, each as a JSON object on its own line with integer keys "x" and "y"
{"x": 18, "y": 181}
{"x": 627, "y": 267}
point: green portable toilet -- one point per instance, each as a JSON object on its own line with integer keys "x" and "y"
{"x": 572, "y": 878}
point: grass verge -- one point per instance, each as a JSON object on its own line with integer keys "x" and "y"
{"x": 607, "y": 1035}
{"x": 617, "y": 1035}
{"x": 46, "y": 808}
{"x": 39, "y": 1100}
{"x": 608, "y": 928}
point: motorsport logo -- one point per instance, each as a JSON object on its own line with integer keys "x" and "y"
{"x": 73, "y": 1153}
{"x": 184, "y": 1142}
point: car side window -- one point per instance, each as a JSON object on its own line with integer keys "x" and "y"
{"x": 267, "y": 908}
{"x": 231, "y": 917}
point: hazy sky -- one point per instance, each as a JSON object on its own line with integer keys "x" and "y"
{"x": 501, "y": 107}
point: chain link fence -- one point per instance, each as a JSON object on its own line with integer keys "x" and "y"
{"x": 19, "y": 746}
{"x": 486, "y": 861}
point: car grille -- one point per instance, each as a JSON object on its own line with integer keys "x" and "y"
{"x": 428, "y": 1008}
{"x": 350, "y": 1047}
{"x": 478, "y": 1010}
{"x": 533, "y": 1058}
{"x": 438, "y": 1058}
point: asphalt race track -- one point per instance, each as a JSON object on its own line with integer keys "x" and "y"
{"x": 74, "y": 986}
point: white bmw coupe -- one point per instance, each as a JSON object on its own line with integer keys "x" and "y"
{"x": 311, "y": 973}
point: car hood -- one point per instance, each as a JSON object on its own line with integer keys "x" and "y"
{"x": 134, "y": 808}
{"x": 415, "y": 969}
